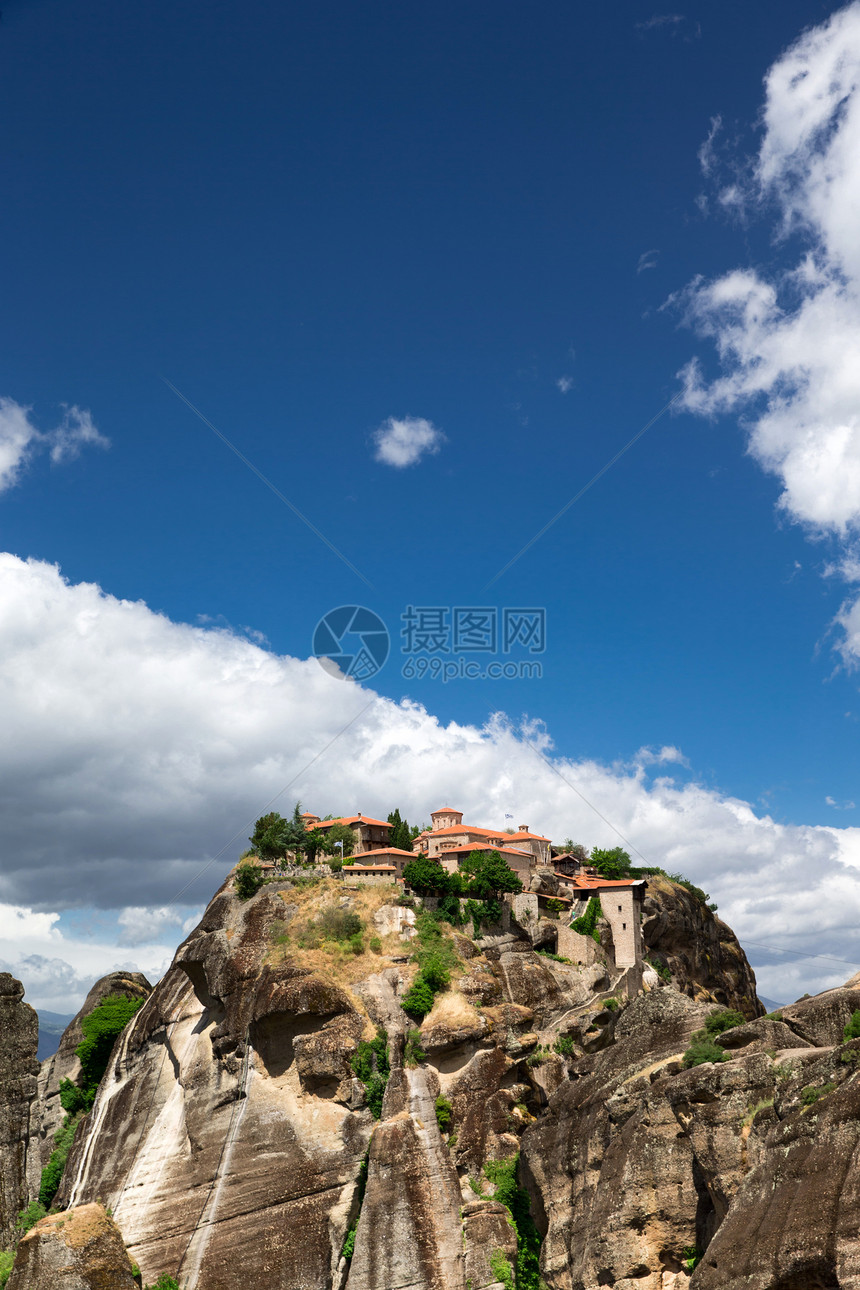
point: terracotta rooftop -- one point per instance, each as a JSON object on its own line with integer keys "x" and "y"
{"x": 386, "y": 851}
{"x": 594, "y": 884}
{"x": 469, "y": 828}
{"x": 377, "y": 868}
{"x": 445, "y": 810}
{"x": 479, "y": 846}
{"x": 524, "y": 833}
{"x": 352, "y": 819}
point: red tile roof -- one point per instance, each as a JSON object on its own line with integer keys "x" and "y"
{"x": 445, "y": 810}
{"x": 594, "y": 884}
{"x": 468, "y": 828}
{"x": 386, "y": 851}
{"x": 479, "y": 846}
{"x": 377, "y": 868}
{"x": 524, "y": 833}
{"x": 352, "y": 819}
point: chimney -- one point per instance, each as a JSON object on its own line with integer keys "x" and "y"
{"x": 523, "y": 828}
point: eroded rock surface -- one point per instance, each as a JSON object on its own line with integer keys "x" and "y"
{"x": 80, "y": 1249}
{"x": 19, "y": 1162}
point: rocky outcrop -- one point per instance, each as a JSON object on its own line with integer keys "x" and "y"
{"x": 700, "y": 950}
{"x": 78, "y": 1250}
{"x": 19, "y": 1164}
{"x": 64, "y": 1063}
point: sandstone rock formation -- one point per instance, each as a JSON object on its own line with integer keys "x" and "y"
{"x": 19, "y": 1163}
{"x": 65, "y": 1065}
{"x": 78, "y": 1250}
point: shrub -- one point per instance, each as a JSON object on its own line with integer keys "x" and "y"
{"x": 371, "y": 1065}
{"x": 30, "y": 1216}
{"x": 7, "y": 1258}
{"x": 101, "y": 1027}
{"x": 554, "y": 907}
{"x": 726, "y": 1019}
{"x": 811, "y": 1094}
{"x": 349, "y": 1242}
{"x": 501, "y": 1269}
{"x": 443, "y": 1113}
{"x": 503, "y": 1175}
{"x": 660, "y": 968}
{"x": 413, "y": 1053}
{"x": 418, "y": 999}
{"x": 564, "y": 1046}
{"x": 852, "y": 1030}
{"x": 612, "y": 1004}
{"x": 74, "y": 1099}
{"x": 692, "y": 1257}
{"x": 586, "y": 924}
{"x": 850, "y": 1056}
{"x": 537, "y": 1057}
{"x": 557, "y": 958}
{"x": 703, "y": 1049}
{"x": 772, "y": 1016}
{"x": 375, "y": 945}
{"x": 165, "y": 1282}
{"x": 248, "y": 881}
{"x": 338, "y": 924}
{"x": 53, "y": 1171}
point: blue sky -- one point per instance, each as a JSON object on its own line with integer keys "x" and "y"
{"x": 311, "y": 221}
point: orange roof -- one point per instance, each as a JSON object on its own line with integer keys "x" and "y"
{"x": 350, "y": 820}
{"x": 468, "y": 828}
{"x": 386, "y": 851}
{"x": 524, "y": 833}
{"x": 594, "y": 884}
{"x": 445, "y": 810}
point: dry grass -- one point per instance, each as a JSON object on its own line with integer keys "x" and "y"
{"x": 335, "y": 958}
{"x": 451, "y": 1010}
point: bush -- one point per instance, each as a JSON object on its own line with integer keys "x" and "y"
{"x": 375, "y": 945}
{"x": 851, "y": 1056}
{"x": 413, "y": 1053}
{"x": 418, "y": 999}
{"x": 811, "y": 1094}
{"x": 586, "y": 924}
{"x": 371, "y": 1065}
{"x": 30, "y": 1216}
{"x": 503, "y": 1175}
{"x": 165, "y": 1282}
{"x": 564, "y": 1046}
{"x": 7, "y": 1258}
{"x": 336, "y": 924}
{"x": 612, "y": 1004}
{"x": 248, "y": 881}
{"x": 660, "y": 968}
{"x": 557, "y": 958}
{"x": 703, "y": 1049}
{"x": 74, "y": 1099}
{"x": 443, "y": 1113}
{"x": 726, "y": 1019}
{"x": 692, "y": 1257}
{"x": 53, "y": 1171}
{"x": 101, "y": 1027}
{"x": 501, "y": 1270}
{"x": 852, "y": 1030}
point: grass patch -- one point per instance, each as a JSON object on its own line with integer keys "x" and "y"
{"x": 810, "y": 1095}
{"x": 503, "y": 1175}
{"x": 703, "y": 1049}
{"x": 371, "y": 1065}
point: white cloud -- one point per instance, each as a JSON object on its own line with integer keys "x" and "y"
{"x": 661, "y": 20}
{"x": 20, "y": 440}
{"x": 708, "y": 147}
{"x": 787, "y": 342}
{"x": 135, "y": 749}
{"x": 403, "y": 441}
{"x": 648, "y": 260}
{"x": 565, "y": 384}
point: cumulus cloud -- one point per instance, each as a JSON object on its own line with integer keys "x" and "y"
{"x": 137, "y": 749}
{"x": 20, "y": 440}
{"x": 787, "y": 340}
{"x": 403, "y": 441}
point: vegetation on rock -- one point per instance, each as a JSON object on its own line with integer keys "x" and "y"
{"x": 503, "y": 1175}
{"x": 249, "y": 880}
{"x": 371, "y": 1065}
{"x": 586, "y": 924}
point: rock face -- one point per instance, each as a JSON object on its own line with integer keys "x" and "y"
{"x": 65, "y": 1065}
{"x": 234, "y": 1130}
{"x": 79, "y": 1250}
{"x": 19, "y": 1164}
{"x": 701, "y": 951}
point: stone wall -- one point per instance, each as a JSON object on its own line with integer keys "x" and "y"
{"x": 582, "y": 950}
{"x": 621, "y": 912}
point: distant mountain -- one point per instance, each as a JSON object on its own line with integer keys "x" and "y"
{"x": 51, "y": 1027}
{"x": 770, "y": 1004}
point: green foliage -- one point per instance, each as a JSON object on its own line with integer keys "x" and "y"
{"x": 475, "y": 1184}
{"x": 501, "y": 1269}
{"x": 555, "y": 907}
{"x": 30, "y": 1216}
{"x": 489, "y": 875}
{"x": 426, "y": 877}
{"x": 418, "y": 999}
{"x": 772, "y": 1016}
{"x": 503, "y": 1175}
{"x": 401, "y": 835}
{"x": 726, "y": 1019}
{"x": 850, "y": 1056}
{"x": 537, "y": 1056}
{"x": 7, "y": 1258}
{"x": 337, "y": 834}
{"x": 564, "y": 1046}
{"x": 449, "y": 910}
{"x": 273, "y": 836}
{"x": 557, "y": 958}
{"x": 371, "y": 1065}
{"x": 375, "y": 945}
{"x": 74, "y": 1099}
{"x": 348, "y": 1247}
{"x": 413, "y": 1053}
{"x": 101, "y": 1027}
{"x": 165, "y": 1282}
{"x": 611, "y": 1004}
{"x": 692, "y": 888}
{"x": 691, "y": 1257}
{"x": 613, "y": 863}
{"x": 660, "y": 968}
{"x": 703, "y": 1049}
{"x": 336, "y": 924}
{"x": 443, "y": 1113}
{"x": 248, "y": 880}
{"x": 53, "y": 1171}
{"x": 349, "y": 1242}
{"x": 586, "y": 924}
{"x": 811, "y": 1094}
{"x": 852, "y": 1030}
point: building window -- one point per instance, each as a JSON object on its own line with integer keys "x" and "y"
{"x": 619, "y": 909}
{"x": 624, "y": 927}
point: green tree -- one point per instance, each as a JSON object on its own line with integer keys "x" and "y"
{"x": 270, "y": 838}
{"x": 613, "y": 864}
{"x": 248, "y": 880}
{"x": 427, "y": 877}
{"x": 339, "y": 833}
{"x": 314, "y": 844}
{"x": 489, "y": 875}
{"x": 852, "y": 1030}
{"x": 296, "y": 831}
{"x": 401, "y": 835}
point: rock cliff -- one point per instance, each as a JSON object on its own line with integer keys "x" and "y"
{"x": 19, "y": 1161}
{"x": 271, "y": 1115}
{"x": 79, "y": 1250}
